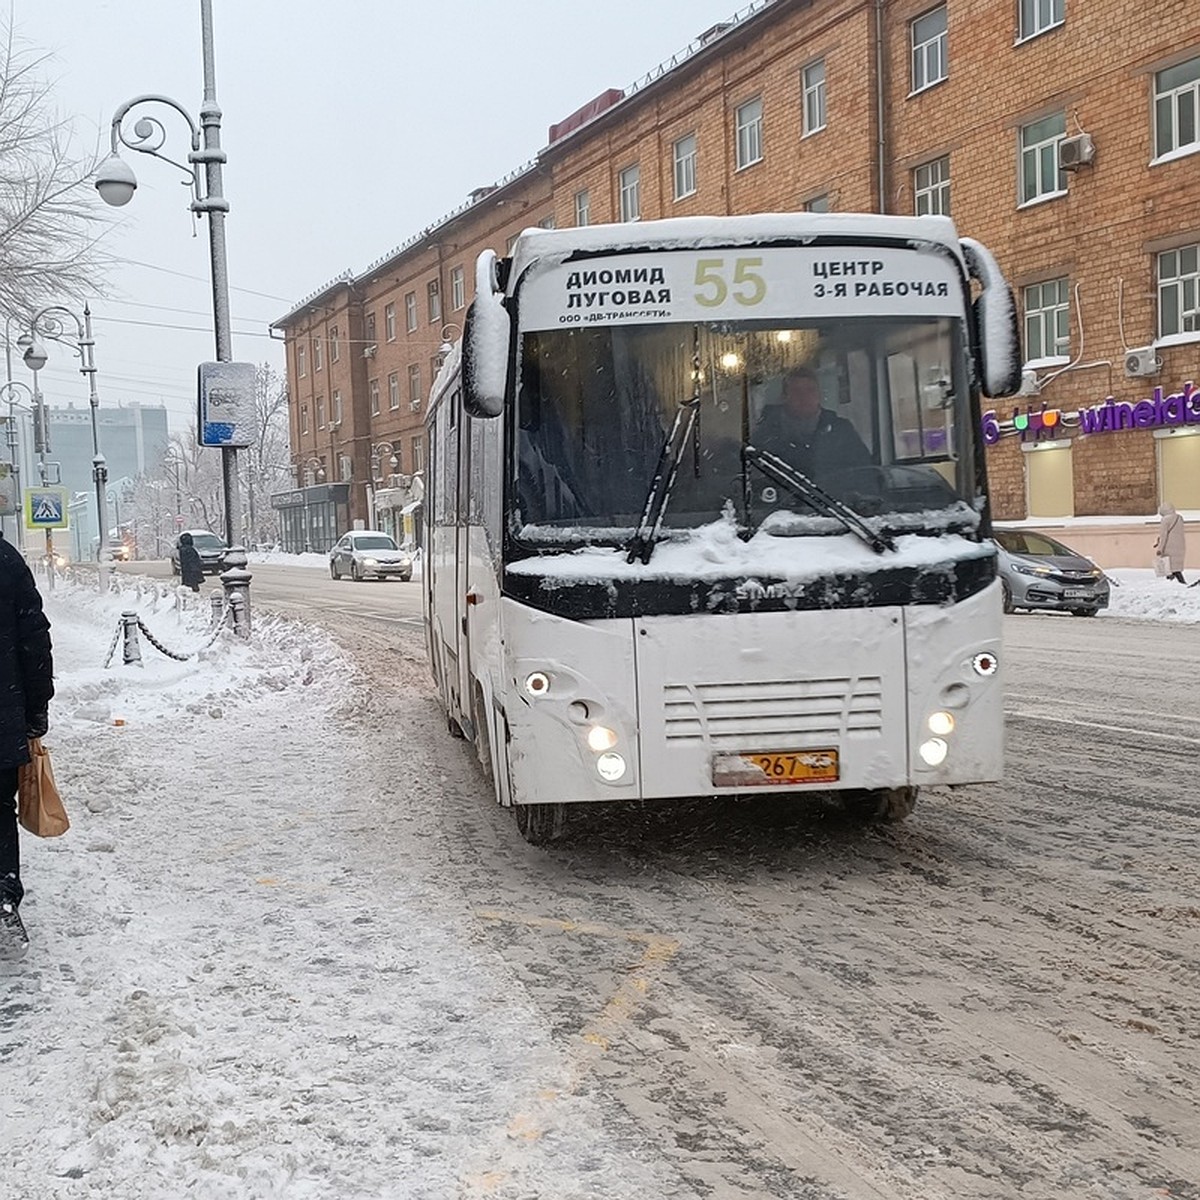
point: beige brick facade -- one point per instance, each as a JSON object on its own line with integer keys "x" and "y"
{"x": 1096, "y": 71}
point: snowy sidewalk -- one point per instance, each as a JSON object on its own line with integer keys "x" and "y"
{"x": 246, "y": 979}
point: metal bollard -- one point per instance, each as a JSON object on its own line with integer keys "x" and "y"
{"x": 132, "y": 654}
{"x": 236, "y": 583}
{"x": 217, "y": 600}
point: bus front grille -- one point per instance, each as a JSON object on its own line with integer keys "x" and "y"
{"x": 737, "y": 713}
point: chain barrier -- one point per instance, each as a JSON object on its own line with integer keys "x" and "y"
{"x": 137, "y": 621}
{"x": 113, "y": 648}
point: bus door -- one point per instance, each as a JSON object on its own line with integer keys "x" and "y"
{"x": 462, "y": 554}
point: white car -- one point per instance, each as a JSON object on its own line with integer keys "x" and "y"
{"x": 367, "y": 554}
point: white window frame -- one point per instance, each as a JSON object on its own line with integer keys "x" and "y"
{"x": 394, "y": 391}
{"x": 335, "y": 407}
{"x": 345, "y": 467}
{"x": 373, "y": 395}
{"x": 318, "y": 356}
{"x": 1179, "y": 273}
{"x": 931, "y": 56}
{"x": 1035, "y": 153}
{"x": 629, "y": 183}
{"x": 411, "y": 319}
{"x": 931, "y": 187}
{"x": 433, "y": 300}
{"x": 1185, "y": 93}
{"x": 418, "y": 454}
{"x": 819, "y": 204}
{"x": 748, "y": 133}
{"x": 458, "y": 288}
{"x": 814, "y": 114}
{"x": 304, "y": 418}
{"x": 320, "y": 405}
{"x": 1046, "y": 323}
{"x": 414, "y": 385}
{"x": 301, "y": 362}
{"x": 389, "y": 322}
{"x": 1035, "y": 17}
{"x": 335, "y": 351}
{"x": 583, "y": 207}
{"x": 683, "y": 152}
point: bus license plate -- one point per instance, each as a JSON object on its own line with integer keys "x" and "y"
{"x": 775, "y": 768}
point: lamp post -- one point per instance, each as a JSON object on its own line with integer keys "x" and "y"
{"x": 14, "y": 465}
{"x": 377, "y": 453}
{"x": 49, "y": 323}
{"x": 314, "y": 472}
{"x": 116, "y": 183}
{"x": 35, "y": 360}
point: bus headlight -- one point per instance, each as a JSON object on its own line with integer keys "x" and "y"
{"x": 941, "y": 723}
{"x": 934, "y": 752}
{"x": 599, "y": 738}
{"x": 611, "y": 767}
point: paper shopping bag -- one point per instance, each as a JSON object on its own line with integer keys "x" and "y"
{"x": 1161, "y": 564}
{"x": 39, "y": 806}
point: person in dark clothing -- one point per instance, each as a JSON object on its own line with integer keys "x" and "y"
{"x": 191, "y": 569}
{"x": 26, "y": 686}
{"x": 807, "y": 436}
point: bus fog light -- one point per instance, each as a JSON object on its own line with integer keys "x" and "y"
{"x": 985, "y": 664}
{"x": 934, "y": 752}
{"x": 611, "y": 767}
{"x": 599, "y": 738}
{"x": 537, "y": 684}
{"x": 941, "y": 723}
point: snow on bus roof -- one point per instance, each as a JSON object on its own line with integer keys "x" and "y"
{"x": 698, "y": 232}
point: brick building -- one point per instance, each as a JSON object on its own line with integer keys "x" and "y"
{"x": 1064, "y": 135}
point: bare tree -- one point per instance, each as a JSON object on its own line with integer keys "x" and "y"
{"x": 269, "y": 458}
{"x": 50, "y": 223}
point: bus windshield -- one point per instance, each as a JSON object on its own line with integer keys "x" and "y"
{"x": 872, "y": 410}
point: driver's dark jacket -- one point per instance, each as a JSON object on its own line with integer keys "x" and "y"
{"x": 832, "y": 446}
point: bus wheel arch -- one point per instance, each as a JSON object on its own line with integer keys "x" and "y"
{"x": 540, "y": 824}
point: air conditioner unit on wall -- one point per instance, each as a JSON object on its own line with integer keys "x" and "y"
{"x": 1029, "y": 384}
{"x": 1142, "y": 361}
{"x": 369, "y": 351}
{"x": 1076, "y": 152}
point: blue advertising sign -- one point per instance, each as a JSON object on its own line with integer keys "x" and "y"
{"x": 226, "y": 396}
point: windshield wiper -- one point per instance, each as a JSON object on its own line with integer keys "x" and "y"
{"x": 645, "y": 536}
{"x": 799, "y": 484}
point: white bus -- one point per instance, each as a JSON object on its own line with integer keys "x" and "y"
{"x": 707, "y": 513}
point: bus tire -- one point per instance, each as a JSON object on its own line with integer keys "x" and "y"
{"x": 884, "y": 805}
{"x": 541, "y": 823}
{"x": 483, "y": 739}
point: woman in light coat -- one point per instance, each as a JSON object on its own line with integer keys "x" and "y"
{"x": 1172, "y": 542}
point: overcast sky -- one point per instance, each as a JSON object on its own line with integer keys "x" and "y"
{"x": 348, "y": 127}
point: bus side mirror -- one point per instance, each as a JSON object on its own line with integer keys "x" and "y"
{"x": 996, "y": 333}
{"x": 486, "y": 343}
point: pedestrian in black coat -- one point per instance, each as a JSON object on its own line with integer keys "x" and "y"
{"x": 26, "y": 686}
{"x": 191, "y": 569}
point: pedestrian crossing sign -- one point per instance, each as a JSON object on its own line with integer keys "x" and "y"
{"x": 45, "y": 508}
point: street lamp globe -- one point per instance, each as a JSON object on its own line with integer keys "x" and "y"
{"x": 35, "y": 355}
{"x": 115, "y": 181}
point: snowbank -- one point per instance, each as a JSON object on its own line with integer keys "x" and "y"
{"x": 1143, "y": 596}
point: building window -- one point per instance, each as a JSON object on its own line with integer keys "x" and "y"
{"x": 818, "y": 204}
{"x": 631, "y": 193}
{"x": 1179, "y": 291}
{"x": 301, "y": 368}
{"x": 458, "y": 289}
{"x": 414, "y": 385}
{"x": 373, "y": 393}
{"x": 394, "y": 390}
{"x": 1047, "y": 320}
{"x": 1177, "y": 109}
{"x": 320, "y": 412}
{"x": 345, "y": 466}
{"x": 1040, "y": 173}
{"x": 930, "y": 62}
{"x": 418, "y": 454}
{"x": 335, "y": 413}
{"x": 318, "y": 357}
{"x": 433, "y": 296}
{"x": 410, "y": 311}
{"x": 1039, "y": 15}
{"x": 685, "y": 166}
{"x": 335, "y": 350}
{"x": 389, "y": 322}
{"x": 304, "y": 418}
{"x": 814, "y": 97}
{"x": 583, "y": 208}
{"x": 546, "y": 222}
{"x": 747, "y": 129}
{"x": 931, "y": 188}
{"x": 369, "y": 332}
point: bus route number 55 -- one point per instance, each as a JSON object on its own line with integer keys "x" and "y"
{"x": 747, "y": 287}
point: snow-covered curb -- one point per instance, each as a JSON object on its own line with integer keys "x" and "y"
{"x": 1140, "y": 595}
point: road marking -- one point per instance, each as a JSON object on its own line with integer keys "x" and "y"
{"x": 1087, "y": 723}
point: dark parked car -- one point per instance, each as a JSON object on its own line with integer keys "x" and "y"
{"x": 366, "y": 553}
{"x": 1038, "y": 572}
{"x": 210, "y": 548}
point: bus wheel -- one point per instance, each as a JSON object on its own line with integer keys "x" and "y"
{"x": 483, "y": 742}
{"x": 887, "y": 805}
{"x": 541, "y": 823}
